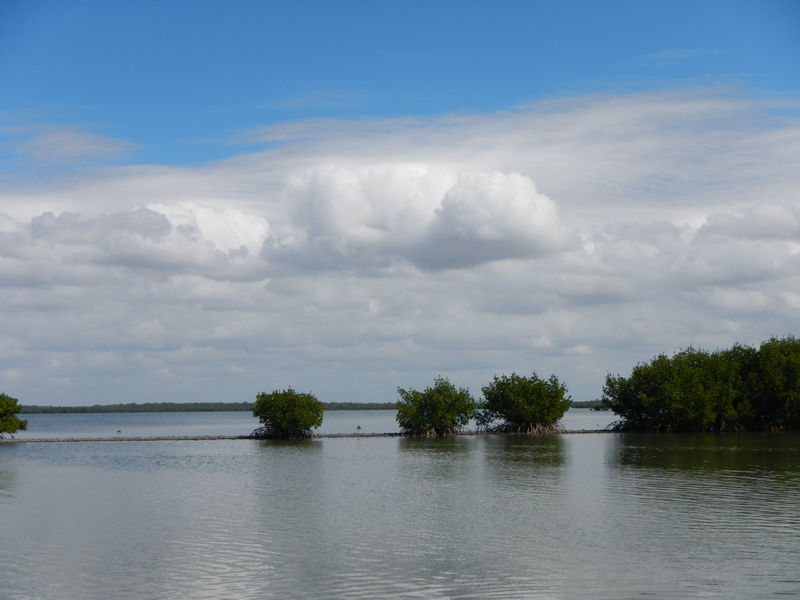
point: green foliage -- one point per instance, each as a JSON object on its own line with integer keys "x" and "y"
{"x": 437, "y": 410}
{"x": 524, "y": 403}
{"x": 736, "y": 389}
{"x": 287, "y": 414}
{"x": 777, "y": 388}
{"x": 9, "y": 423}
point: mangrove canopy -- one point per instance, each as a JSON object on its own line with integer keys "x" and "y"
{"x": 737, "y": 389}
{"x": 524, "y": 404}
{"x": 9, "y": 423}
{"x": 437, "y": 410}
{"x": 287, "y": 414}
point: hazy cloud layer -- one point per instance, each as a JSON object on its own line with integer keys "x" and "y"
{"x": 48, "y": 145}
{"x": 577, "y": 236}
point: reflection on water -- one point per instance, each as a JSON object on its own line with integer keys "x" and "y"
{"x": 527, "y": 450}
{"x": 724, "y": 453}
{"x": 553, "y": 516}
{"x": 8, "y": 475}
{"x": 714, "y": 508}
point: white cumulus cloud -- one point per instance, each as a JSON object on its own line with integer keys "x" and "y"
{"x": 575, "y": 235}
{"x": 491, "y": 216}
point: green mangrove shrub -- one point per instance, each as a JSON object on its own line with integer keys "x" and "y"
{"x": 287, "y": 414}
{"x": 437, "y": 410}
{"x": 9, "y": 422}
{"x": 523, "y": 404}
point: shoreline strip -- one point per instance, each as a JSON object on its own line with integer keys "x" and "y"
{"x": 204, "y": 438}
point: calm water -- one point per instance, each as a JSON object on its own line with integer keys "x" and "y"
{"x": 108, "y": 425}
{"x": 562, "y": 516}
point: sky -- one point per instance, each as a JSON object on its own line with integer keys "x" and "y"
{"x": 201, "y": 201}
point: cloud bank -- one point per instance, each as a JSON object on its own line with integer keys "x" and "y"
{"x": 575, "y": 236}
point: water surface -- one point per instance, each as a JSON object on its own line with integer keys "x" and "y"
{"x": 235, "y": 423}
{"x": 557, "y": 516}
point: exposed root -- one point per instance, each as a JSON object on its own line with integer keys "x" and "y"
{"x": 531, "y": 429}
{"x": 263, "y": 433}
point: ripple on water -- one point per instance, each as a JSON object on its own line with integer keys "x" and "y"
{"x": 601, "y": 516}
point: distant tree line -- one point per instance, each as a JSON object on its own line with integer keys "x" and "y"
{"x": 738, "y": 389}
{"x": 358, "y": 405}
{"x": 141, "y": 407}
{"x": 593, "y": 404}
{"x": 187, "y": 407}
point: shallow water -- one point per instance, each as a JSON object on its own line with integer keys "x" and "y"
{"x": 558, "y": 516}
{"x": 183, "y": 424}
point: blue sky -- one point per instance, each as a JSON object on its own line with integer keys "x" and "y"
{"x": 179, "y": 79}
{"x": 202, "y": 201}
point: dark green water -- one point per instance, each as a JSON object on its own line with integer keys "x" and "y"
{"x": 564, "y": 516}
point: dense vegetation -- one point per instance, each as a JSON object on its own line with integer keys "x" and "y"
{"x": 437, "y": 410}
{"x": 737, "y": 389}
{"x": 188, "y": 407}
{"x": 9, "y": 423}
{"x": 287, "y": 414}
{"x": 523, "y": 404}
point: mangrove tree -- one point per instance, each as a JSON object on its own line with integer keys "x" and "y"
{"x": 287, "y": 414}
{"x": 437, "y": 410}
